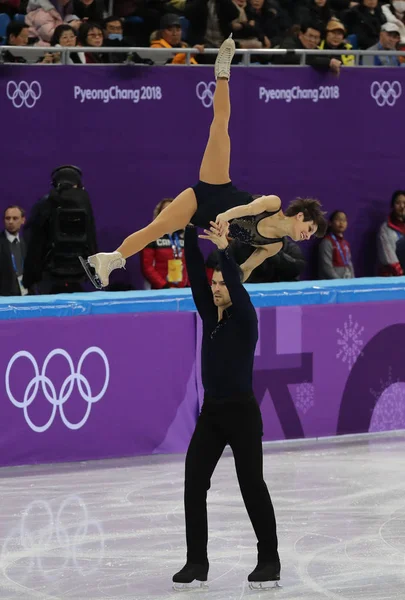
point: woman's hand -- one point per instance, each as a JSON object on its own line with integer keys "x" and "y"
{"x": 214, "y": 235}
{"x": 221, "y": 224}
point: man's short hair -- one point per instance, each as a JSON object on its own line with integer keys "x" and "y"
{"x": 217, "y": 269}
{"x": 310, "y": 25}
{"x": 15, "y": 28}
{"x": 111, "y": 19}
{"x": 22, "y": 211}
{"x": 312, "y": 211}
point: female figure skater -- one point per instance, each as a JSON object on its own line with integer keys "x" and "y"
{"x": 258, "y": 222}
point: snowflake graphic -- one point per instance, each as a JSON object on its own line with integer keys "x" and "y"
{"x": 350, "y": 342}
{"x": 389, "y": 412}
{"x": 304, "y": 396}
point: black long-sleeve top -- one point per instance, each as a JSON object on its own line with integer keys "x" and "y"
{"x": 228, "y": 345}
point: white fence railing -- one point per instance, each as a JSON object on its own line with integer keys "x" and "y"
{"x": 161, "y": 55}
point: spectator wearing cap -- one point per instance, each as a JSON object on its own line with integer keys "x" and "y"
{"x": 394, "y": 12}
{"x": 389, "y": 40}
{"x": 308, "y": 38}
{"x": 335, "y": 40}
{"x": 169, "y": 36}
{"x": 364, "y": 20}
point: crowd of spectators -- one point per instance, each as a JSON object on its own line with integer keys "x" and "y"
{"x": 255, "y": 24}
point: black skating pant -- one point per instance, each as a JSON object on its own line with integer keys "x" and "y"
{"x": 239, "y": 424}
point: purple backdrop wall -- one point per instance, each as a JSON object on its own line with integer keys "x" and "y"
{"x": 128, "y": 384}
{"x": 294, "y": 132}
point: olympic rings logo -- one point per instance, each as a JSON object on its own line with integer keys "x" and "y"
{"x": 51, "y": 541}
{"x": 23, "y": 93}
{"x": 49, "y": 391}
{"x": 205, "y": 93}
{"x": 386, "y": 93}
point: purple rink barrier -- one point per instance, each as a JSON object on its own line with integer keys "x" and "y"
{"x": 294, "y": 131}
{"x": 87, "y": 387}
{"x": 114, "y": 388}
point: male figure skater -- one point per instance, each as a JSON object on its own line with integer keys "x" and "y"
{"x": 230, "y": 413}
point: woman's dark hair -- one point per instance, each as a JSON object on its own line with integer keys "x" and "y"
{"x": 312, "y": 211}
{"x": 332, "y": 217}
{"x": 396, "y": 195}
{"x": 84, "y": 31}
{"x": 57, "y": 34}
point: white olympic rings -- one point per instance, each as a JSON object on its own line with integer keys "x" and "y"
{"x": 48, "y": 388}
{"x": 386, "y": 93}
{"x": 23, "y": 93}
{"x": 205, "y": 93}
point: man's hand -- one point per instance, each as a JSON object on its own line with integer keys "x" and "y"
{"x": 335, "y": 65}
{"x": 215, "y": 236}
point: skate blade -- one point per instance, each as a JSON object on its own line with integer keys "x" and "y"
{"x": 194, "y": 585}
{"x": 91, "y": 274}
{"x": 264, "y": 585}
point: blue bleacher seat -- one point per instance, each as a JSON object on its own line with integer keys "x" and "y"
{"x": 352, "y": 39}
{"x": 4, "y": 21}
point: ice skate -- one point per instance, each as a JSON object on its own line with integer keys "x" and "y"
{"x": 99, "y": 266}
{"x": 191, "y": 576}
{"x": 265, "y": 576}
{"x": 224, "y": 59}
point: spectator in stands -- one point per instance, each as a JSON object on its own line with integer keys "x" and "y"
{"x": 43, "y": 16}
{"x": 389, "y": 40}
{"x": 334, "y": 40}
{"x": 73, "y": 21}
{"x": 335, "y": 260}
{"x": 65, "y": 36}
{"x": 12, "y": 253}
{"x": 270, "y": 18}
{"x": 315, "y": 11}
{"x": 394, "y": 12}
{"x": 89, "y": 10}
{"x": 91, "y": 34}
{"x": 114, "y": 38}
{"x": 309, "y": 37}
{"x": 10, "y": 7}
{"x": 339, "y": 6}
{"x": 391, "y": 238}
{"x": 17, "y": 34}
{"x": 210, "y": 21}
{"x": 365, "y": 21}
{"x": 169, "y": 36}
{"x": 247, "y": 33}
{"x": 162, "y": 262}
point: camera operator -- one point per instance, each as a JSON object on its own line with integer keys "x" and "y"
{"x": 60, "y": 229}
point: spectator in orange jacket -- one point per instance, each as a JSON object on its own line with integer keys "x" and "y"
{"x": 162, "y": 262}
{"x": 169, "y": 36}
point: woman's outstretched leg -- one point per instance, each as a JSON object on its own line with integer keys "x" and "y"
{"x": 215, "y": 163}
{"x": 176, "y": 216}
